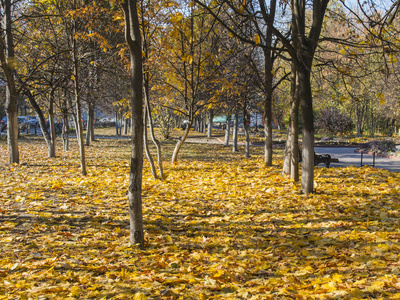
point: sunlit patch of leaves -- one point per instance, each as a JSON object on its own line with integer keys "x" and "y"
{"x": 219, "y": 227}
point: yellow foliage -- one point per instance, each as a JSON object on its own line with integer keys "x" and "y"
{"x": 219, "y": 227}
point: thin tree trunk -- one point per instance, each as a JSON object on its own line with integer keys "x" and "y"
{"x": 235, "y": 133}
{"x": 151, "y": 127}
{"x": 79, "y": 129}
{"x": 133, "y": 40}
{"x": 42, "y": 123}
{"x": 90, "y": 124}
{"x": 65, "y": 132}
{"x": 210, "y": 123}
{"x": 227, "y": 130}
{"x": 65, "y": 128}
{"x": 246, "y": 133}
{"x": 294, "y": 129}
{"x": 146, "y": 148}
{"x": 52, "y": 140}
{"x": 126, "y": 126}
{"x": 181, "y": 140}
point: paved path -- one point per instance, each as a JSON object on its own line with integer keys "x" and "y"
{"x": 348, "y": 157}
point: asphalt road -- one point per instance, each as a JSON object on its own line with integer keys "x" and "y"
{"x": 348, "y": 157}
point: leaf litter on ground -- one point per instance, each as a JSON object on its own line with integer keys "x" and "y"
{"x": 219, "y": 227}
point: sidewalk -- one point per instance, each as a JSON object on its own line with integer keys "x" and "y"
{"x": 348, "y": 157}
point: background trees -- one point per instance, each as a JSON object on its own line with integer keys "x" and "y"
{"x": 203, "y": 58}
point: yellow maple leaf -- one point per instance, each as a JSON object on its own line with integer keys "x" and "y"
{"x": 381, "y": 98}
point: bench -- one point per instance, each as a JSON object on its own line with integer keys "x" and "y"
{"x": 319, "y": 159}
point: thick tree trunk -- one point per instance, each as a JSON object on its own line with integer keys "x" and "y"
{"x": 291, "y": 160}
{"x": 305, "y": 93}
{"x": 133, "y": 40}
{"x": 7, "y": 56}
{"x": 268, "y": 89}
{"x": 12, "y": 129}
{"x": 294, "y": 129}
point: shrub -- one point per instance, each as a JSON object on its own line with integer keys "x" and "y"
{"x": 383, "y": 146}
{"x": 332, "y": 121}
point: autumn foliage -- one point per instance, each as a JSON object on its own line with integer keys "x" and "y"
{"x": 219, "y": 227}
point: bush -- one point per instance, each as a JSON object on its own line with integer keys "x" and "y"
{"x": 383, "y": 146}
{"x": 332, "y": 121}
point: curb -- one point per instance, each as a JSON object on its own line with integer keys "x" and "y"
{"x": 378, "y": 154}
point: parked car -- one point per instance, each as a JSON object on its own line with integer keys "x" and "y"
{"x": 33, "y": 122}
{"x": 3, "y": 124}
{"x": 21, "y": 119}
{"x": 104, "y": 120}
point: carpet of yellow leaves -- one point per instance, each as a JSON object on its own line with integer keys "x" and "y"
{"x": 219, "y": 227}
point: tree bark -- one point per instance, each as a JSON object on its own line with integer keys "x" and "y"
{"x": 269, "y": 62}
{"x": 227, "y": 130}
{"x": 151, "y": 127}
{"x": 210, "y": 123}
{"x": 79, "y": 127}
{"x": 181, "y": 140}
{"x": 42, "y": 123}
{"x": 7, "y": 64}
{"x": 52, "y": 131}
{"x": 133, "y": 40}
{"x": 246, "y": 133}
{"x": 305, "y": 93}
{"x": 90, "y": 124}
{"x": 146, "y": 147}
{"x": 235, "y": 133}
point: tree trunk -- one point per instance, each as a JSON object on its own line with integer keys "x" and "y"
{"x": 126, "y": 125}
{"x": 65, "y": 131}
{"x": 52, "y": 140}
{"x": 133, "y": 40}
{"x": 291, "y": 160}
{"x": 151, "y": 127}
{"x": 7, "y": 56}
{"x": 268, "y": 108}
{"x": 227, "y": 130}
{"x": 210, "y": 123}
{"x": 146, "y": 148}
{"x": 246, "y": 133}
{"x": 90, "y": 124}
{"x": 294, "y": 129}
{"x": 305, "y": 94}
{"x": 42, "y": 123}
{"x": 269, "y": 62}
{"x": 79, "y": 129}
{"x": 235, "y": 133}
{"x": 181, "y": 140}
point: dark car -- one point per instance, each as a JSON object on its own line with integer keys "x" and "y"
{"x": 3, "y": 124}
{"x": 34, "y": 122}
